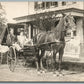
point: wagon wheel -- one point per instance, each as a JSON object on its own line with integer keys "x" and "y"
{"x": 11, "y": 59}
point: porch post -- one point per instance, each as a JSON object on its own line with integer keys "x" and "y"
{"x": 29, "y": 31}
{"x": 25, "y": 25}
{"x": 80, "y": 36}
{"x": 71, "y": 33}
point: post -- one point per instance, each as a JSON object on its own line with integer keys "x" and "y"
{"x": 71, "y": 33}
{"x": 29, "y": 31}
{"x": 25, "y": 27}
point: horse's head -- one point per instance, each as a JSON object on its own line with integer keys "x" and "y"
{"x": 69, "y": 22}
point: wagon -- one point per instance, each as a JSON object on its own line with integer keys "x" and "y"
{"x": 13, "y": 55}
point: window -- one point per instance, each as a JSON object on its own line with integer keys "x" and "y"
{"x": 43, "y": 5}
{"x": 36, "y": 5}
{"x": 63, "y": 3}
{"x": 74, "y": 2}
{"x": 39, "y": 5}
{"x": 51, "y": 3}
{"x": 47, "y": 4}
{"x": 71, "y": 33}
{"x": 55, "y": 4}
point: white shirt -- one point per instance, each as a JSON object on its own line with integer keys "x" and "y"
{"x": 21, "y": 39}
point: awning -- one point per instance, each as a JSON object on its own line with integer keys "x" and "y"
{"x": 33, "y": 17}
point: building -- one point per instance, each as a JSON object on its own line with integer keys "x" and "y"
{"x": 75, "y": 47}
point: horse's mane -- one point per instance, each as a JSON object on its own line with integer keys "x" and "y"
{"x": 59, "y": 25}
{"x": 59, "y": 28}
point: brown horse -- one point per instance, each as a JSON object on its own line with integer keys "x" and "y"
{"x": 53, "y": 40}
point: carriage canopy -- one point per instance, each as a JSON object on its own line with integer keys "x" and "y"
{"x": 5, "y": 31}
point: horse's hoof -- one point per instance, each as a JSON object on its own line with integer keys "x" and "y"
{"x": 61, "y": 74}
{"x": 38, "y": 72}
{"x": 54, "y": 74}
{"x": 43, "y": 71}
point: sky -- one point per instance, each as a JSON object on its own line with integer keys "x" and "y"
{"x": 15, "y": 9}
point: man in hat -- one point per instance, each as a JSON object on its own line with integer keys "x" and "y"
{"x": 11, "y": 37}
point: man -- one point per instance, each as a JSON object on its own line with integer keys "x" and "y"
{"x": 11, "y": 37}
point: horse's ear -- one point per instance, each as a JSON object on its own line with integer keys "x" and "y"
{"x": 69, "y": 14}
{"x": 63, "y": 14}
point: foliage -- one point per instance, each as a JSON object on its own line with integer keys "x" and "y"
{"x": 45, "y": 22}
{"x": 3, "y": 19}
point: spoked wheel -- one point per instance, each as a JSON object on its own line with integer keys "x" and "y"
{"x": 11, "y": 59}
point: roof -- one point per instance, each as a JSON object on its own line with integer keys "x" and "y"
{"x": 11, "y": 25}
{"x": 33, "y": 16}
{"x": 4, "y": 29}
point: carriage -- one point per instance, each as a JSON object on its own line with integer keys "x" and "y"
{"x": 12, "y": 54}
{"x": 53, "y": 40}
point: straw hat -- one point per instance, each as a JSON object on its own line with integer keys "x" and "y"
{"x": 21, "y": 30}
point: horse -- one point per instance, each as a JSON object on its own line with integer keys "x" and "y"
{"x": 54, "y": 40}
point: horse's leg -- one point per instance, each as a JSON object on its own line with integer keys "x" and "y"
{"x": 54, "y": 59}
{"x": 37, "y": 60}
{"x": 60, "y": 59}
{"x": 41, "y": 58}
{"x": 37, "y": 64}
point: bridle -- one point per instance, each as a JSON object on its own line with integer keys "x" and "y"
{"x": 69, "y": 25}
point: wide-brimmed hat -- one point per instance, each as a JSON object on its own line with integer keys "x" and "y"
{"x": 21, "y": 30}
{"x": 11, "y": 28}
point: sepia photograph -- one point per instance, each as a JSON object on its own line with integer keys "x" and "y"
{"x": 42, "y": 41}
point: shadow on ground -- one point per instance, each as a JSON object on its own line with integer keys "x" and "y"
{"x": 69, "y": 66}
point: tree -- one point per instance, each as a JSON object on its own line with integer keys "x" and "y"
{"x": 3, "y": 19}
{"x": 45, "y": 21}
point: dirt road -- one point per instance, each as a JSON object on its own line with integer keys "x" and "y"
{"x": 30, "y": 74}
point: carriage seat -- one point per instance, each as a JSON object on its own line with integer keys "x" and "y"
{"x": 57, "y": 40}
